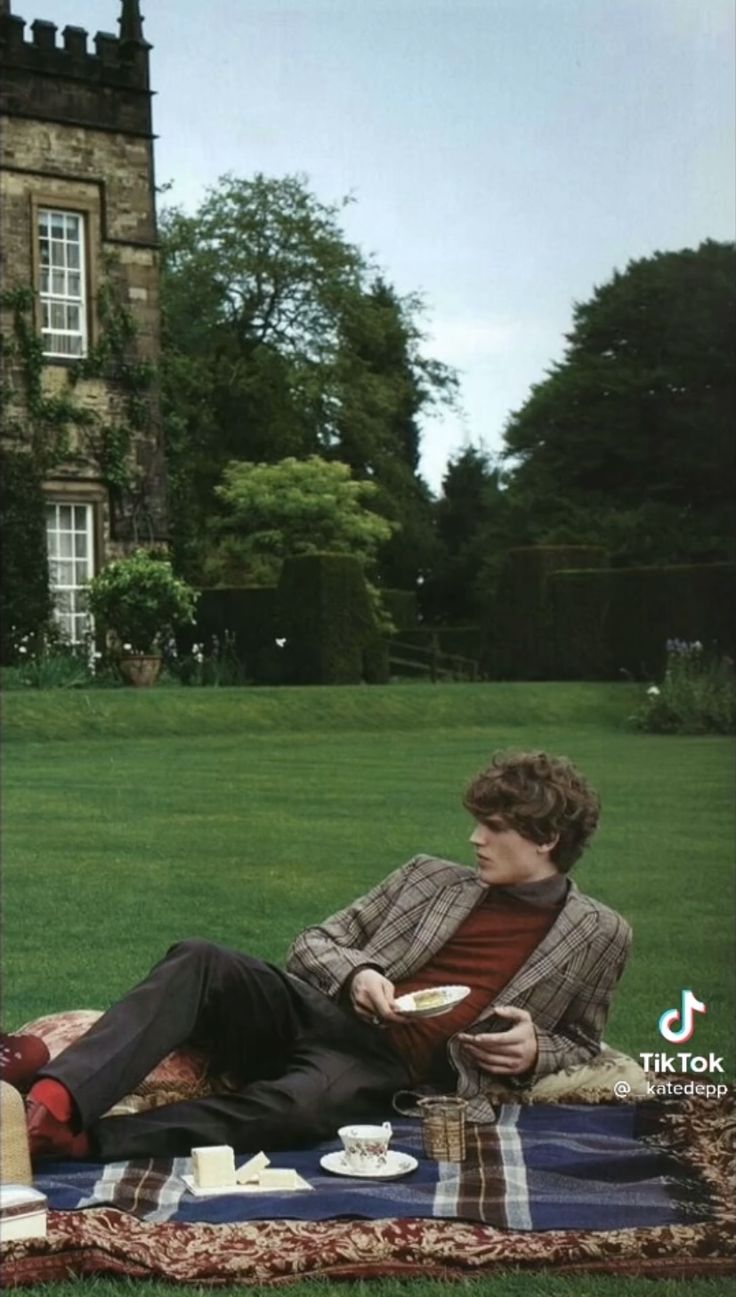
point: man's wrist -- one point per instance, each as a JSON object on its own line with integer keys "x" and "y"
{"x": 347, "y": 986}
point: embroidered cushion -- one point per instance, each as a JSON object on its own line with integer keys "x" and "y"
{"x": 181, "y": 1075}
{"x": 608, "y": 1077}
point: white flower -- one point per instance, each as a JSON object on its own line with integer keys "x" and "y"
{"x": 98, "y": 655}
{"x": 128, "y": 648}
{"x": 22, "y": 649}
{"x": 281, "y": 642}
{"x": 653, "y": 691}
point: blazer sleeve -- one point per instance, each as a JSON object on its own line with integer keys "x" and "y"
{"x": 328, "y": 953}
{"x": 576, "y": 1037}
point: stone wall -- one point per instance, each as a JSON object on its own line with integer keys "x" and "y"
{"x": 119, "y": 166}
{"x": 59, "y": 146}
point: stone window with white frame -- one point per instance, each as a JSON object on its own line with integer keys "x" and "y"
{"x": 61, "y": 255}
{"x": 70, "y": 545}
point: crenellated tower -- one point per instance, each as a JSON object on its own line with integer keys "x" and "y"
{"x": 78, "y": 227}
{"x": 103, "y": 87}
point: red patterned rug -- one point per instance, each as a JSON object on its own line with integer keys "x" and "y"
{"x": 107, "y": 1241}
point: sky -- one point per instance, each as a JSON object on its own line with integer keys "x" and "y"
{"x": 505, "y": 156}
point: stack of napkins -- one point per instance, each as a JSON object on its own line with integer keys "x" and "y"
{"x": 22, "y": 1212}
{"x": 214, "y": 1172}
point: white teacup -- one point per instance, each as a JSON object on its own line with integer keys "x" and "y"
{"x": 366, "y": 1147}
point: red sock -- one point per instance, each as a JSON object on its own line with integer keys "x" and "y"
{"x": 54, "y": 1096}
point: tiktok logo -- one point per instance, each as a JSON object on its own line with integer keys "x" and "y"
{"x": 689, "y": 1006}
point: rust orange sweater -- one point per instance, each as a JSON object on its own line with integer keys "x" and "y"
{"x": 486, "y": 951}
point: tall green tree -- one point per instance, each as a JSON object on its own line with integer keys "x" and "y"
{"x": 629, "y": 440}
{"x": 383, "y": 380}
{"x": 385, "y": 383}
{"x": 473, "y": 532}
{"x": 280, "y": 341}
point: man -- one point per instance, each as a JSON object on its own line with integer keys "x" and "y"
{"x": 322, "y": 1043}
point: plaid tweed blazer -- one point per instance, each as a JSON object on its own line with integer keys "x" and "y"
{"x": 566, "y": 984}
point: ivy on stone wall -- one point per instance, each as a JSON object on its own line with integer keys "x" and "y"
{"x": 24, "y": 589}
{"x": 44, "y": 429}
{"x": 114, "y": 358}
{"x": 40, "y": 421}
{"x": 43, "y": 422}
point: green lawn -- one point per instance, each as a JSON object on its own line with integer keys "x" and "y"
{"x": 513, "y": 1284}
{"x": 132, "y": 819}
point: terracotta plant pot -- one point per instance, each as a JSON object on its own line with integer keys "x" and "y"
{"x": 141, "y": 670}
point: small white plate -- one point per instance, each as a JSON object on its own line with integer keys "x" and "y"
{"x": 397, "y": 1164}
{"x": 452, "y": 995}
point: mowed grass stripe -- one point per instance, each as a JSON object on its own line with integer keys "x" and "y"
{"x": 121, "y": 713}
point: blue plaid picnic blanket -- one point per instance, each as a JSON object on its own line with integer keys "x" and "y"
{"x": 539, "y": 1168}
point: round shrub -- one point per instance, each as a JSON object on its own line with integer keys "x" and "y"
{"x": 141, "y": 602}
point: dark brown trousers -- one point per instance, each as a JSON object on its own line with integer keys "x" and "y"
{"x": 302, "y": 1064}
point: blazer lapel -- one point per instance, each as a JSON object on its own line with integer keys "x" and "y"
{"x": 447, "y": 911}
{"x": 571, "y": 929}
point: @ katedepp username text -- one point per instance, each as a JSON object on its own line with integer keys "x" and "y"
{"x": 656, "y": 1089}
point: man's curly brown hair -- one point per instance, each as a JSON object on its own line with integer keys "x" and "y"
{"x": 539, "y": 796}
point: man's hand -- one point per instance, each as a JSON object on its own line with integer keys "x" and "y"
{"x": 509, "y": 1053}
{"x": 372, "y": 997}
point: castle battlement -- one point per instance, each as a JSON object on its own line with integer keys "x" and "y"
{"x": 66, "y": 81}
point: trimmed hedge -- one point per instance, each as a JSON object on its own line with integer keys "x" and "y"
{"x": 325, "y": 613}
{"x": 324, "y": 645}
{"x": 25, "y": 602}
{"x": 618, "y": 620}
{"x": 580, "y": 603}
{"x": 402, "y": 607}
{"x": 249, "y": 614}
{"x": 520, "y": 640}
{"x": 376, "y": 670}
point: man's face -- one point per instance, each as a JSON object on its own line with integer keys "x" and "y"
{"x": 504, "y": 857}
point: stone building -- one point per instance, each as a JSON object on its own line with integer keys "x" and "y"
{"x": 79, "y": 304}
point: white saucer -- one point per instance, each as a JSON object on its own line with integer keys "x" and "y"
{"x": 397, "y": 1164}
{"x": 452, "y": 995}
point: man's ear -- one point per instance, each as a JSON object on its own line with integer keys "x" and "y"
{"x": 546, "y": 848}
